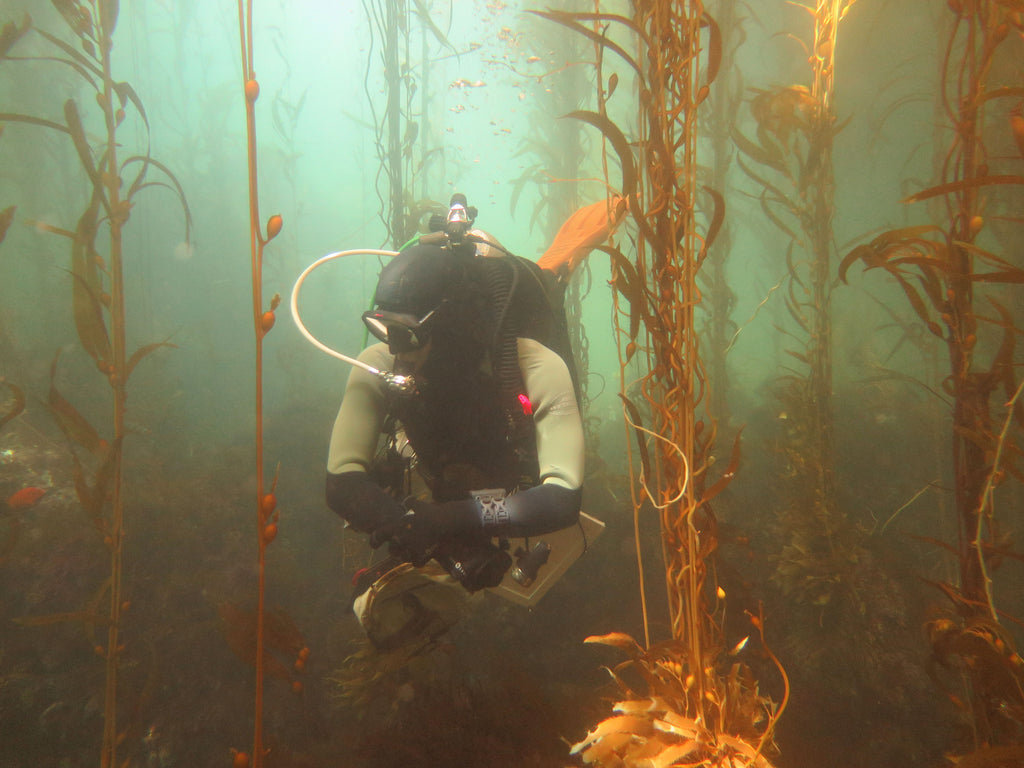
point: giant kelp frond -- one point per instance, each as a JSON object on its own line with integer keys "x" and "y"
{"x": 572, "y": 21}
{"x": 942, "y": 269}
{"x": 98, "y": 301}
{"x": 11, "y": 33}
{"x": 660, "y": 720}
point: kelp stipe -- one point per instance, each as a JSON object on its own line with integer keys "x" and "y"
{"x": 11, "y": 406}
{"x": 689, "y": 712}
{"x": 942, "y": 268}
{"x": 401, "y": 133}
{"x": 725, "y": 99}
{"x": 791, "y": 161}
{"x": 264, "y": 318}
{"x": 98, "y": 304}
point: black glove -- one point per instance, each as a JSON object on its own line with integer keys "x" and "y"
{"x": 415, "y": 536}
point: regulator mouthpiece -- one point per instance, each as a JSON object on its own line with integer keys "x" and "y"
{"x": 397, "y": 384}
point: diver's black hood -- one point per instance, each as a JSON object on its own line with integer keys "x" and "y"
{"x": 420, "y": 278}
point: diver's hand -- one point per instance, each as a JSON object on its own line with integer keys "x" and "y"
{"x": 415, "y": 536}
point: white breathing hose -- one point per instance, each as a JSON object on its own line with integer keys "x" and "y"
{"x": 305, "y": 331}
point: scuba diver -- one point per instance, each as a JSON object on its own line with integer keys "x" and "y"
{"x": 483, "y": 440}
{"x": 461, "y": 427}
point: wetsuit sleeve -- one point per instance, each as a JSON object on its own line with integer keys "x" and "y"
{"x": 357, "y": 428}
{"x": 555, "y": 503}
{"x": 556, "y": 415}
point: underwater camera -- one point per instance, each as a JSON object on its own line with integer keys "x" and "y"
{"x": 483, "y": 566}
{"x": 476, "y": 565}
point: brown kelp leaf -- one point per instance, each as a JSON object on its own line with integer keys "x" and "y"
{"x": 141, "y": 352}
{"x": 621, "y": 146}
{"x": 760, "y": 154}
{"x": 71, "y": 11}
{"x": 915, "y": 298}
{"x": 412, "y": 130}
{"x": 423, "y": 14}
{"x": 717, "y": 218}
{"x": 864, "y": 253}
{"x": 798, "y": 355}
{"x": 641, "y": 439}
{"x": 714, "y": 47}
{"x": 774, "y": 217}
{"x": 281, "y": 633}
{"x": 94, "y": 497}
{"x": 6, "y": 217}
{"x": 904, "y": 236}
{"x": 797, "y": 315}
{"x": 771, "y": 195}
{"x": 125, "y": 93}
{"x": 617, "y": 640}
{"x": 73, "y": 424}
{"x": 93, "y": 607}
{"x": 626, "y": 283}
{"x": 17, "y": 405}
{"x": 12, "y": 33}
{"x": 674, "y": 754}
{"x": 613, "y": 83}
{"x": 927, "y": 263}
{"x": 528, "y": 177}
{"x": 77, "y": 132}
{"x": 137, "y": 185}
{"x": 42, "y": 226}
{"x": 625, "y": 279}
{"x": 84, "y": 66}
{"x": 89, "y": 322}
{"x": 984, "y": 255}
{"x": 108, "y": 16}
{"x": 933, "y": 286}
{"x": 959, "y": 186}
{"x": 13, "y": 117}
{"x": 87, "y": 286}
{"x": 104, "y": 476}
{"x": 86, "y": 496}
{"x": 240, "y": 627}
{"x": 606, "y": 750}
{"x": 632, "y": 724}
{"x": 572, "y": 21}
{"x": 769, "y": 142}
{"x": 730, "y": 472}
{"x": 1002, "y": 363}
{"x": 625, "y": 21}
{"x": 1007, "y": 276}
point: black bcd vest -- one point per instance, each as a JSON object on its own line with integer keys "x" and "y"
{"x": 473, "y": 428}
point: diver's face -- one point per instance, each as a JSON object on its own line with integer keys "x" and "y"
{"x": 411, "y": 362}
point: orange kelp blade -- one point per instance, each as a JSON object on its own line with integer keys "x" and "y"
{"x": 589, "y": 227}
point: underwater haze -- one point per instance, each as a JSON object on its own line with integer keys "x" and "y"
{"x": 870, "y": 515}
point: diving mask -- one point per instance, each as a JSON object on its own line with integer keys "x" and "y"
{"x": 401, "y": 332}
